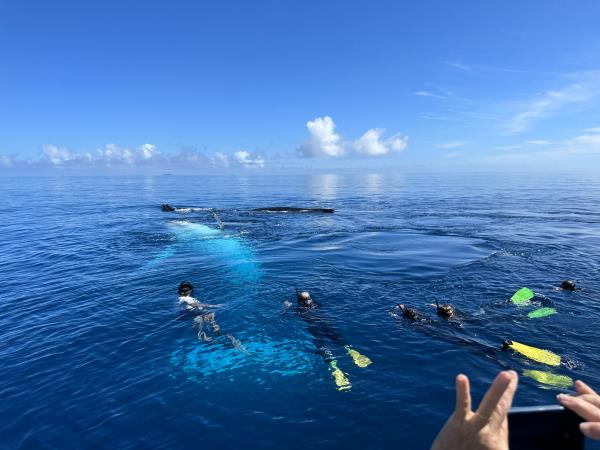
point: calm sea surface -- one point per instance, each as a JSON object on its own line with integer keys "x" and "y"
{"x": 95, "y": 354}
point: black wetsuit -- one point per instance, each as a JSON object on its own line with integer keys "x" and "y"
{"x": 324, "y": 335}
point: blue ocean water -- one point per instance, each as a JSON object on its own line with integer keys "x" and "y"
{"x": 95, "y": 353}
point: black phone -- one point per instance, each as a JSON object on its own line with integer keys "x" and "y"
{"x": 550, "y": 427}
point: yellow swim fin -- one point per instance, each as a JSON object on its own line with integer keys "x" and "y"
{"x": 359, "y": 360}
{"x": 535, "y": 354}
{"x": 341, "y": 381}
{"x": 551, "y": 379}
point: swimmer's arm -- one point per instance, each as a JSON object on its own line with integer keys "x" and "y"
{"x": 190, "y": 302}
{"x": 206, "y": 305}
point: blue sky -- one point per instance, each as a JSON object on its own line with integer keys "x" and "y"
{"x": 270, "y": 87}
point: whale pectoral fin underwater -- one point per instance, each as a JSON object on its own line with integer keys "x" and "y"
{"x": 361, "y": 361}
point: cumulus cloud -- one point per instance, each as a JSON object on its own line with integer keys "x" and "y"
{"x": 58, "y": 156}
{"x": 146, "y": 155}
{"x": 323, "y": 141}
{"x": 244, "y": 158}
{"x": 371, "y": 143}
{"x": 109, "y": 155}
{"x": 221, "y": 159}
{"x": 113, "y": 154}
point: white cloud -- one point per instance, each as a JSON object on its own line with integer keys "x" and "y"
{"x": 323, "y": 139}
{"x": 148, "y": 151}
{"x": 551, "y": 102}
{"x": 458, "y": 65}
{"x": 110, "y": 154}
{"x": 593, "y": 130}
{"x": 537, "y": 142}
{"x": 113, "y": 154}
{"x": 586, "y": 144}
{"x": 426, "y": 94}
{"x": 588, "y": 139}
{"x": 57, "y": 156}
{"x": 370, "y": 143}
{"x": 451, "y": 144}
{"x": 6, "y": 161}
{"x": 245, "y": 159}
{"x": 220, "y": 159}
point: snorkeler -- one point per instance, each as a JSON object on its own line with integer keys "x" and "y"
{"x": 568, "y": 285}
{"x": 190, "y": 304}
{"x": 409, "y": 313}
{"x": 447, "y": 311}
{"x": 325, "y": 336}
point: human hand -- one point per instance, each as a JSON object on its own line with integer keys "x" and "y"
{"x": 485, "y": 429}
{"x": 585, "y": 404}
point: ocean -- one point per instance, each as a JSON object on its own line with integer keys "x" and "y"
{"x": 97, "y": 354}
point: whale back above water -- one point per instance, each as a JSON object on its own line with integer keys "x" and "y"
{"x": 286, "y": 209}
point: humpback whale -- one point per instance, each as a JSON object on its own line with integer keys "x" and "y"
{"x": 287, "y": 209}
{"x": 165, "y": 207}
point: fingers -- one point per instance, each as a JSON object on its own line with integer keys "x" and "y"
{"x": 499, "y": 397}
{"x": 463, "y": 396}
{"x": 578, "y": 405}
{"x": 591, "y": 430}
{"x": 591, "y": 398}
{"x": 583, "y": 388}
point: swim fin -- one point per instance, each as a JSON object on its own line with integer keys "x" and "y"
{"x": 341, "y": 381}
{"x": 535, "y": 354}
{"x": 522, "y": 296}
{"x": 541, "y": 312}
{"x": 551, "y": 379}
{"x": 360, "y": 360}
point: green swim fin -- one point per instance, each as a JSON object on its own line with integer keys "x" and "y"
{"x": 535, "y": 354}
{"x": 360, "y": 360}
{"x": 522, "y": 296}
{"x": 341, "y": 381}
{"x": 541, "y": 312}
{"x": 551, "y": 379}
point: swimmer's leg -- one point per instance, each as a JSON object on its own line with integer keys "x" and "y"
{"x": 216, "y": 329}
{"x": 341, "y": 380}
{"x": 237, "y": 344}
{"x": 360, "y": 360}
{"x": 202, "y": 336}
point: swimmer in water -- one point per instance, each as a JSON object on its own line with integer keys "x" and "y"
{"x": 325, "y": 337}
{"x": 409, "y": 313}
{"x": 446, "y": 311}
{"x": 190, "y": 304}
{"x": 568, "y": 285}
